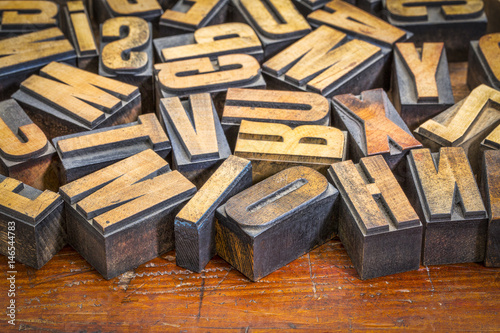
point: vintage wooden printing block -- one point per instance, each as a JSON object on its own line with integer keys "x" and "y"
{"x": 86, "y": 152}
{"x": 64, "y": 100}
{"x": 374, "y": 7}
{"x": 150, "y": 10}
{"x": 272, "y": 106}
{"x": 123, "y": 215}
{"x": 189, "y": 15}
{"x": 273, "y": 147}
{"x": 307, "y": 6}
{"x": 32, "y": 221}
{"x": 198, "y": 142}
{"x": 421, "y": 86}
{"x": 276, "y": 22}
{"x": 492, "y": 141}
{"x": 491, "y": 195}
{"x": 25, "y": 152}
{"x": 492, "y": 9}
{"x": 375, "y": 128}
{"x": 444, "y": 193}
{"x": 275, "y": 221}
{"x": 484, "y": 62}
{"x": 454, "y": 23}
{"x": 194, "y": 225}
{"x": 376, "y": 224}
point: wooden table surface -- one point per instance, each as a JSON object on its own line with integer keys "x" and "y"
{"x": 319, "y": 291}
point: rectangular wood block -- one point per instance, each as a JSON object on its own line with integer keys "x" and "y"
{"x": 150, "y": 10}
{"x": 445, "y": 195}
{"x": 484, "y": 62}
{"x": 32, "y": 221}
{"x": 123, "y": 215}
{"x": 194, "y": 225}
{"x": 491, "y": 195}
{"x": 275, "y": 221}
{"x": 377, "y": 225}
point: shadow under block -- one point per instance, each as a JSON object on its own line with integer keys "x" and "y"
{"x": 491, "y": 195}
{"x": 277, "y": 22}
{"x": 374, "y": 7}
{"x": 307, "y": 6}
{"x": 194, "y": 225}
{"x": 32, "y": 223}
{"x": 445, "y": 195}
{"x": 273, "y": 147}
{"x": 64, "y": 100}
{"x": 198, "y": 142}
{"x": 454, "y": 23}
{"x": 123, "y": 215}
{"x": 421, "y": 86}
{"x": 377, "y": 224}
{"x": 86, "y": 152}
{"x": 276, "y": 221}
{"x": 150, "y": 10}
{"x": 484, "y": 62}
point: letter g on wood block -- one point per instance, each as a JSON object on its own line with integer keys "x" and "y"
{"x": 275, "y": 221}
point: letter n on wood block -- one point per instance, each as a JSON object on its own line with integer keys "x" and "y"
{"x": 275, "y": 221}
{"x": 377, "y": 224}
{"x": 20, "y": 17}
{"x": 194, "y": 225}
{"x": 274, "y": 147}
{"x": 149, "y": 10}
{"x": 123, "y": 215}
{"x": 446, "y": 197}
{"x": 421, "y": 86}
{"x": 65, "y": 100}
{"x": 484, "y": 62}
{"x": 33, "y": 219}
{"x": 491, "y": 195}
{"x": 198, "y": 142}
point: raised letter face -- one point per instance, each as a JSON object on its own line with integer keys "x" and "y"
{"x": 141, "y": 8}
{"x": 411, "y": 10}
{"x": 196, "y": 15}
{"x": 493, "y": 139}
{"x": 81, "y": 31}
{"x": 489, "y": 47}
{"x": 28, "y": 15}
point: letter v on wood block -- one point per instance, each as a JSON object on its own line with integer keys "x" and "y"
{"x": 491, "y": 195}
{"x": 484, "y": 61}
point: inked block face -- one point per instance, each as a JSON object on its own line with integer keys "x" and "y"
{"x": 193, "y": 14}
{"x": 491, "y": 194}
{"x": 20, "y": 17}
{"x": 80, "y": 32}
{"x": 484, "y": 59}
{"x": 146, "y": 9}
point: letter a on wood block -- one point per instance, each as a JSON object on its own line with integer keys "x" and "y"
{"x": 147, "y": 9}
{"x": 123, "y": 215}
{"x": 446, "y": 197}
{"x": 19, "y": 17}
{"x": 491, "y": 194}
{"x": 64, "y": 100}
{"x": 274, "y": 147}
{"x": 194, "y": 225}
{"x": 33, "y": 219}
{"x": 275, "y": 221}
{"x": 484, "y": 62}
{"x": 376, "y": 224}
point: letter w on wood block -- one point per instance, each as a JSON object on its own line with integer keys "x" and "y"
{"x": 484, "y": 61}
{"x": 274, "y": 147}
{"x": 33, "y": 220}
{"x": 275, "y": 221}
{"x": 123, "y": 215}
{"x": 446, "y": 197}
{"x": 20, "y": 17}
{"x": 491, "y": 195}
{"x": 377, "y": 224}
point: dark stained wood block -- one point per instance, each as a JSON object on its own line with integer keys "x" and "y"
{"x": 484, "y": 62}
{"x": 374, "y": 7}
{"x": 150, "y": 10}
{"x": 275, "y": 221}
{"x": 64, "y": 100}
{"x": 491, "y": 195}
{"x": 31, "y": 222}
{"x": 273, "y": 147}
{"x": 194, "y": 225}
{"x": 123, "y": 215}
{"x": 492, "y": 9}
{"x": 376, "y": 224}
{"x": 443, "y": 191}
{"x": 307, "y": 6}
{"x": 86, "y": 152}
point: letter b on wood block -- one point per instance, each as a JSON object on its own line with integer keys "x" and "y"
{"x": 491, "y": 194}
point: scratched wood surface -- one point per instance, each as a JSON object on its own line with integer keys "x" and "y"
{"x": 318, "y": 291}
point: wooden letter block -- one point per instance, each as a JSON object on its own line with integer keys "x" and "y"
{"x": 492, "y": 141}
{"x": 198, "y": 142}
{"x": 194, "y": 225}
{"x": 307, "y": 6}
{"x": 65, "y": 100}
{"x": 492, "y": 9}
{"x": 19, "y": 17}
{"x": 276, "y": 22}
{"x": 273, "y": 147}
{"x": 376, "y": 224}
{"x": 150, "y": 10}
{"x": 275, "y": 222}
{"x": 86, "y": 152}
{"x": 484, "y": 62}
{"x": 123, "y": 215}
{"x": 491, "y": 194}
{"x": 33, "y": 219}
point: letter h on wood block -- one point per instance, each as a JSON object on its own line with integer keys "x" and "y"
{"x": 491, "y": 195}
{"x": 123, "y": 215}
{"x": 275, "y": 221}
{"x": 33, "y": 219}
{"x": 445, "y": 195}
{"x": 377, "y": 224}
{"x": 484, "y": 61}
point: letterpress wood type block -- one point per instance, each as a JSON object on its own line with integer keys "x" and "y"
{"x": 86, "y": 152}
{"x": 194, "y": 225}
{"x": 33, "y": 220}
{"x": 307, "y": 6}
{"x": 64, "y": 100}
{"x": 484, "y": 62}
{"x": 374, "y": 7}
{"x": 20, "y": 17}
{"x": 275, "y": 221}
{"x": 421, "y": 86}
{"x": 198, "y": 142}
{"x": 272, "y": 106}
{"x": 492, "y": 141}
{"x": 454, "y": 23}
{"x": 273, "y": 147}
{"x": 491, "y": 195}
{"x": 123, "y": 215}
{"x": 445, "y": 195}
{"x": 150, "y": 10}
{"x": 492, "y": 9}
{"x": 277, "y": 22}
